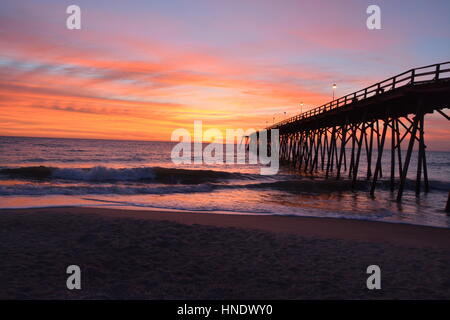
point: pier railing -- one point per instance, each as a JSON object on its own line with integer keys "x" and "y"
{"x": 416, "y": 76}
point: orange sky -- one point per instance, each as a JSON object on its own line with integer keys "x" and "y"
{"x": 141, "y": 72}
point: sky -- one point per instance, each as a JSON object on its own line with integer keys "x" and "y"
{"x": 141, "y": 69}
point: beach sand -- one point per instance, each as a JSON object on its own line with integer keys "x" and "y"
{"x": 128, "y": 254}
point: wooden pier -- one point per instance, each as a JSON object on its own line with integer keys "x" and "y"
{"x": 389, "y": 115}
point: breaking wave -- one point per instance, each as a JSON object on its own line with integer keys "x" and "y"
{"x": 104, "y": 174}
{"x": 157, "y": 180}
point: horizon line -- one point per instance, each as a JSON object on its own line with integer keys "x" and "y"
{"x": 131, "y": 140}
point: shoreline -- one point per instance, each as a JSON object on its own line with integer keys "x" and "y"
{"x": 131, "y": 208}
{"x": 396, "y": 233}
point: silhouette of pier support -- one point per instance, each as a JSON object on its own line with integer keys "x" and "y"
{"x": 338, "y": 150}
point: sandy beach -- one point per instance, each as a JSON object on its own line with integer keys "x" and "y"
{"x": 128, "y": 254}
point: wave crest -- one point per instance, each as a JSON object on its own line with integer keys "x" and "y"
{"x": 105, "y": 174}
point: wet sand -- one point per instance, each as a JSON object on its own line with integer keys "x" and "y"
{"x": 128, "y": 254}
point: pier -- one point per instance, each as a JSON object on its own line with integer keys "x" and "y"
{"x": 390, "y": 115}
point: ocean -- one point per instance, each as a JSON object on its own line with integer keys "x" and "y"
{"x": 46, "y": 172}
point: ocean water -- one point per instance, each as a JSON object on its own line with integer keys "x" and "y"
{"x": 44, "y": 172}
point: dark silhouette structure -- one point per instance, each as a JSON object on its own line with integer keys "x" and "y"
{"x": 335, "y": 136}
